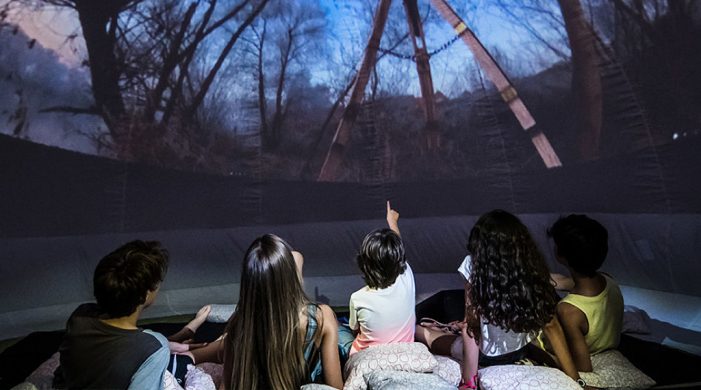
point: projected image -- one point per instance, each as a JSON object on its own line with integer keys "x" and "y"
{"x": 351, "y": 91}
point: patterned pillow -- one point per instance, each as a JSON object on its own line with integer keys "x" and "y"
{"x": 402, "y": 380}
{"x": 316, "y": 386}
{"x": 43, "y": 376}
{"x": 220, "y": 313}
{"x": 448, "y": 369}
{"x": 514, "y": 377}
{"x": 215, "y": 371}
{"x": 613, "y": 370}
{"x": 413, "y": 357}
{"x": 169, "y": 382}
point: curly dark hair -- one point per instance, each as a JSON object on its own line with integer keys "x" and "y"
{"x": 509, "y": 282}
{"x": 381, "y": 258}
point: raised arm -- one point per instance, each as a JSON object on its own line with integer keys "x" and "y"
{"x": 393, "y": 219}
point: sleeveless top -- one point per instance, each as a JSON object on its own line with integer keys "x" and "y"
{"x": 604, "y": 313}
{"x": 311, "y": 351}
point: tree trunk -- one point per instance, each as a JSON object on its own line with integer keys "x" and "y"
{"x": 94, "y": 17}
{"x": 586, "y": 79}
{"x": 262, "y": 100}
{"x": 278, "y": 116}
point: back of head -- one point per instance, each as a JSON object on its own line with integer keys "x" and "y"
{"x": 264, "y": 347}
{"x": 124, "y": 277}
{"x": 509, "y": 282}
{"x": 581, "y": 241}
{"x": 381, "y": 258}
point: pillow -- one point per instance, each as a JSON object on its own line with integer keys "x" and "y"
{"x": 413, "y": 357}
{"x": 613, "y": 370}
{"x": 43, "y": 376}
{"x": 316, "y": 386}
{"x": 25, "y": 386}
{"x": 516, "y": 377}
{"x": 169, "y": 382}
{"x": 401, "y": 380}
{"x": 220, "y": 313}
{"x": 635, "y": 321}
{"x": 197, "y": 379}
{"x": 214, "y": 370}
{"x": 448, "y": 369}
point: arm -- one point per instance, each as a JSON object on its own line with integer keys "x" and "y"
{"x": 555, "y": 335}
{"x": 470, "y": 349}
{"x": 562, "y": 282}
{"x": 470, "y": 357}
{"x": 574, "y": 324}
{"x": 393, "y": 219}
{"x": 330, "y": 361}
{"x": 150, "y": 373}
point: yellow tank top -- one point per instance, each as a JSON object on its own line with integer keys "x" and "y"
{"x": 604, "y": 312}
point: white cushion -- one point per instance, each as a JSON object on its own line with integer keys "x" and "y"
{"x": 412, "y": 357}
{"x": 448, "y": 369}
{"x": 516, "y": 377}
{"x": 613, "y": 370}
{"x": 403, "y": 380}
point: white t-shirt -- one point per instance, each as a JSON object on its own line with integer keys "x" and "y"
{"x": 385, "y": 315}
{"x": 496, "y": 341}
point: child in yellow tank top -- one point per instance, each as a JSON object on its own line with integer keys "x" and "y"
{"x": 592, "y": 313}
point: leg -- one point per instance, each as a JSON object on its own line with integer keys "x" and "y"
{"x": 188, "y": 331}
{"x": 345, "y": 342}
{"x": 210, "y": 353}
{"x": 437, "y": 341}
{"x": 463, "y": 349}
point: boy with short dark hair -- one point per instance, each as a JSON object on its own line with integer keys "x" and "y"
{"x": 103, "y": 347}
{"x": 383, "y": 311}
{"x": 592, "y": 313}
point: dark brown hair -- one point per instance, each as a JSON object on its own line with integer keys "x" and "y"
{"x": 581, "y": 241}
{"x": 264, "y": 346}
{"x": 381, "y": 258}
{"x": 509, "y": 282}
{"x": 123, "y": 278}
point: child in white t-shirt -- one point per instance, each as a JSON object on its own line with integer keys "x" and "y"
{"x": 382, "y": 312}
{"x": 509, "y": 301}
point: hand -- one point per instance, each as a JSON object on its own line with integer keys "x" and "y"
{"x": 188, "y": 345}
{"x": 178, "y": 347}
{"x": 392, "y": 218}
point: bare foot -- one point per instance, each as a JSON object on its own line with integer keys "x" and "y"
{"x": 199, "y": 319}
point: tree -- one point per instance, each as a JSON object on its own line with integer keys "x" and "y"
{"x": 283, "y": 39}
{"x": 144, "y": 56}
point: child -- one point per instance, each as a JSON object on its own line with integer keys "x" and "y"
{"x": 592, "y": 313}
{"x": 509, "y": 300}
{"x": 277, "y": 336}
{"x": 103, "y": 347}
{"x": 382, "y": 312}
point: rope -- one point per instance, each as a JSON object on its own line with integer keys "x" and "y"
{"x": 412, "y": 57}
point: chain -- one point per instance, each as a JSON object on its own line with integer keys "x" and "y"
{"x": 412, "y": 57}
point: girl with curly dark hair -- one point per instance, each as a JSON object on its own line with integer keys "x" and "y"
{"x": 509, "y": 301}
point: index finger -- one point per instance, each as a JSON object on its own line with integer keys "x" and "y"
{"x": 389, "y": 208}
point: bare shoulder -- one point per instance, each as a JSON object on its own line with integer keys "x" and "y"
{"x": 570, "y": 315}
{"x": 328, "y": 317}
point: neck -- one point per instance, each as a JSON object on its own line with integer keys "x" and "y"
{"x": 588, "y": 285}
{"x": 126, "y": 322}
